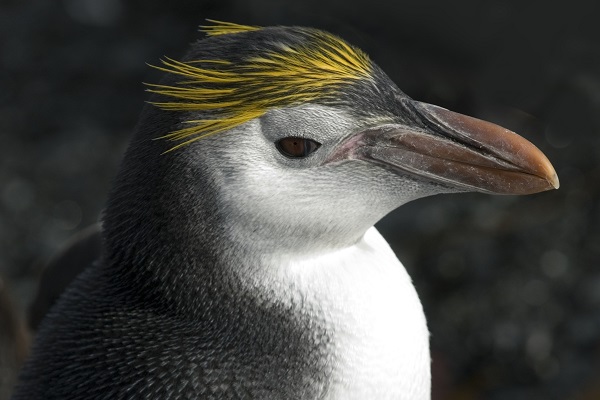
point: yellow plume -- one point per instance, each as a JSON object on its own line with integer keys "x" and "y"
{"x": 230, "y": 94}
{"x": 223, "y": 28}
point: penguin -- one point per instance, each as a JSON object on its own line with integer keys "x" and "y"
{"x": 239, "y": 257}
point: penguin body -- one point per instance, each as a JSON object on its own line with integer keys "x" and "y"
{"x": 330, "y": 349}
{"x": 239, "y": 256}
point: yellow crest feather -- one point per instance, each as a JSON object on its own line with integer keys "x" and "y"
{"x": 231, "y": 94}
{"x": 224, "y": 28}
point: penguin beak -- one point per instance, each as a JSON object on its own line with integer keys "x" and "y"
{"x": 454, "y": 150}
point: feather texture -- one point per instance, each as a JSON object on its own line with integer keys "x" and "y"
{"x": 231, "y": 92}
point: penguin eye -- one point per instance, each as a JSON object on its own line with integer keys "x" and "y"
{"x": 296, "y": 147}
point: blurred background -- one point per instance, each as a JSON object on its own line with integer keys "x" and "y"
{"x": 510, "y": 285}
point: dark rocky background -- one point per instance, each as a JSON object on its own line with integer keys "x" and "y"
{"x": 510, "y": 285}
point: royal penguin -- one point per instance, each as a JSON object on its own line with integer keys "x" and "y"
{"x": 239, "y": 258}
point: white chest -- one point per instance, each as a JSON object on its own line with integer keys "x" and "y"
{"x": 381, "y": 336}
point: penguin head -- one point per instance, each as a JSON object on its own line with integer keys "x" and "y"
{"x": 298, "y": 140}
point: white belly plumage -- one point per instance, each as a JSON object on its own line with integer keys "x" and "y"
{"x": 381, "y": 336}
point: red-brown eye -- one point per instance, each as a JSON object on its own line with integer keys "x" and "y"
{"x": 295, "y": 147}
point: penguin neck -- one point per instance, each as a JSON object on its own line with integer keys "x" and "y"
{"x": 353, "y": 311}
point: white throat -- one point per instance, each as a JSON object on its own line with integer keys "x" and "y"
{"x": 380, "y": 333}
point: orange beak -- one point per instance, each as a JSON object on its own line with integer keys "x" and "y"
{"x": 454, "y": 150}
